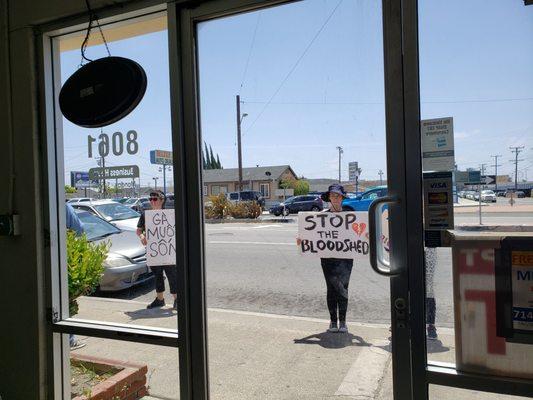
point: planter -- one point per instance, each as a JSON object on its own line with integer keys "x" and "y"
{"x": 124, "y": 380}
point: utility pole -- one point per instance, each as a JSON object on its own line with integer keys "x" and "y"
{"x": 380, "y": 173}
{"x": 482, "y": 169}
{"x": 339, "y": 148}
{"x": 496, "y": 165}
{"x": 164, "y": 177}
{"x": 155, "y": 182}
{"x": 239, "y": 120}
{"x": 101, "y": 163}
{"x": 516, "y": 150}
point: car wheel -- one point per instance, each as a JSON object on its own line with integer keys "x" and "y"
{"x": 277, "y": 214}
{"x": 315, "y": 209}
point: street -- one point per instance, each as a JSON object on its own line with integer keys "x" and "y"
{"x": 256, "y": 267}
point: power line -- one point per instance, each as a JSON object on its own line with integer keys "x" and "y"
{"x": 295, "y": 65}
{"x": 250, "y": 52}
{"x": 340, "y": 103}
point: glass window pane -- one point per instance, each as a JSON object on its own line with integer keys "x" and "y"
{"x": 305, "y": 89}
{"x": 478, "y": 71}
{"x": 110, "y": 175}
{"x": 437, "y": 392}
{"x": 122, "y": 370}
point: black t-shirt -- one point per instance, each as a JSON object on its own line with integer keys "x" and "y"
{"x": 141, "y": 223}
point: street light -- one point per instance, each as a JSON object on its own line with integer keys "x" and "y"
{"x": 164, "y": 169}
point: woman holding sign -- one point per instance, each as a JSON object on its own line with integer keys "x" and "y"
{"x": 337, "y": 271}
{"x": 157, "y": 201}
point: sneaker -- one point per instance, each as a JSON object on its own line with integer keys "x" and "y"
{"x": 333, "y": 327}
{"x": 175, "y": 306}
{"x": 342, "y": 327}
{"x": 76, "y": 344}
{"x": 432, "y": 332}
{"x": 156, "y": 303}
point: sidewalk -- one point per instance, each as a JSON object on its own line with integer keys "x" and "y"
{"x": 266, "y": 356}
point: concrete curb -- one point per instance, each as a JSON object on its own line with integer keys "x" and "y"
{"x": 248, "y": 221}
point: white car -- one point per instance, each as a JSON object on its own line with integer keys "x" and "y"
{"x": 118, "y": 214}
{"x": 79, "y": 199}
{"x": 488, "y": 196}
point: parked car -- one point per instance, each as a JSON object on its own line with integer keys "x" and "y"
{"x": 488, "y": 196}
{"x": 79, "y": 199}
{"x": 247, "y": 195}
{"x": 138, "y": 204}
{"x": 296, "y": 204}
{"x": 469, "y": 194}
{"x": 363, "y": 201}
{"x": 169, "y": 202}
{"x": 120, "y": 200}
{"x": 461, "y": 194}
{"x": 500, "y": 193}
{"x": 125, "y": 265}
{"x": 118, "y": 214}
{"x": 517, "y": 193}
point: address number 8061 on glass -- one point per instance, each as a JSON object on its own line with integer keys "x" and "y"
{"x": 117, "y": 144}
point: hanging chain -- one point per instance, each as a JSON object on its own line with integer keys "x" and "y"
{"x": 92, "y": 17}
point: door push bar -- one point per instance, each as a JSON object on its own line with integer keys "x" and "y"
{"x": 375, "y": 229}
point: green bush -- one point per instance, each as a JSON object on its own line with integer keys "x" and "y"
{"x": 85, "y": 263}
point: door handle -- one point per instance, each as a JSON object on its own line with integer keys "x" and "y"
{"x": 374, "y": 229}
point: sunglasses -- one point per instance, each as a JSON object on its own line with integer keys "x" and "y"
{"x": 154, "y": 198}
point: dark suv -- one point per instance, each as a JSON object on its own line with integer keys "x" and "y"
{"x": 296, "y": 204}
{"x": 247, "y": 195}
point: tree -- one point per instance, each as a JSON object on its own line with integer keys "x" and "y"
{"x": 300, "y": 186}
{"x": 205, "y": 157}
{"x": 208, "y": 159}
{"x": 212, "y": 158}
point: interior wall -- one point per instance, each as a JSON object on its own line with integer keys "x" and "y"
{"x": 24, "y": 355}
{"x": 22, "y": 334}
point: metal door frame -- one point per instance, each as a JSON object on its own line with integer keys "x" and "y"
{"x": 193, "y": 343}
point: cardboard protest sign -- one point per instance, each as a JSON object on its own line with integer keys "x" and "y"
{"x": 333, "y": 235}
{"x": 161, "y": 237}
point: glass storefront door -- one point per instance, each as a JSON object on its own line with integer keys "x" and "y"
{"x": 289, "y": 97}
{"x": 255, "y": 108}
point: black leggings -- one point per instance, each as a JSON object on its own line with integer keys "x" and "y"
{"x": 337, "y": 274}
{"x": 172, "y": 276}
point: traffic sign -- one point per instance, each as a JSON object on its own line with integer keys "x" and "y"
{"x": 353, "y": 171}
{"x": 488, "y": 179}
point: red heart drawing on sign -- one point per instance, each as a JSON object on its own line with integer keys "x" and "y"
{"x": 359, "y": 228}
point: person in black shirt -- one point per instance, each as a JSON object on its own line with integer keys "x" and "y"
{"x": 157, "y": 201}
{"x": 336, "y": 271}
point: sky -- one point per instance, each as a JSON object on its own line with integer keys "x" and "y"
{"x": 310, "y": 77}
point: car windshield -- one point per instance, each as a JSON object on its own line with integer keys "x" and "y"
{"x": 130, "y": 201}
{"x": 116, "y": 211}
{"x": 487, "y": 192}
{"x": 95, "y": 227}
